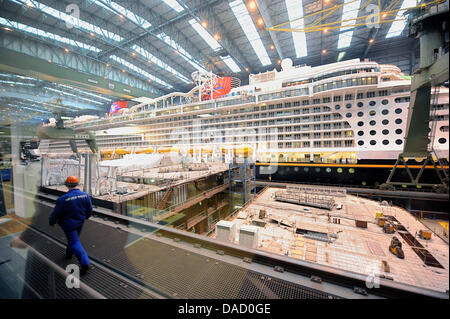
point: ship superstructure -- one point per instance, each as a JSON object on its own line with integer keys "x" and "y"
{"x": 346, "y": 113}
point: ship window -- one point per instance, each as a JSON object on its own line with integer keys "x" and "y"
{"x": 399, "y": 131}
{"x": 385, "y": 142}
{"x": 373, "y": 142}
{"x": 372, "y": 122}
{"x": 398, "y": 111}
{"x": 384, "y": 102}
{"x": 351, "y": 170}
{"x": 339, "y": 170}
{"x": 348, "y": 105}
{"x": 360, "y": 133}
{"x": 337, "y": 107}
{"x": 372, "y": 132}
{"x": 360, "y": 143}
{"x": 360, "y": 123}
{"x": 442, "y": 140}
{"x": 385, "y": 122}
{"x": 317, "y": 169}
{"x": 385, "y": 132}
{"x": 306, "y": 169}
{"x": 348, "y": 115}
{"x": 372, "y": 103}
{"x": 398, "y": 121}
{"x": 398, "y": 142}
{"x": 328, "y": 170}
{"x": 385, "y": 112}
{"x": 360, "y": 114}
{"x": 372, "y": 113}
{"x": 360, "y": 104}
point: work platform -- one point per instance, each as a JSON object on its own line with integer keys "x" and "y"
{"x": 137, "y": 259}
{"x": 347, "y": 237}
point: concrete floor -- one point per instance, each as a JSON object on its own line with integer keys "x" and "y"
{"x": 360, "y": 250}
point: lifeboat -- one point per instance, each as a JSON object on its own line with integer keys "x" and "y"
{"x": 243, "y": 150}
{"x": 122, "y": 151}
{"x": 145, "y": 151}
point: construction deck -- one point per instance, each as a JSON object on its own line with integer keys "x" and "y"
{"x": 137, "y": 189}
{"x": 361, "y": 250}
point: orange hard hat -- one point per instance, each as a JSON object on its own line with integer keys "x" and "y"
{"x": 72, "y": 181}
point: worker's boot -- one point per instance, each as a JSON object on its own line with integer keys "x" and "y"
{"x": 84, "y": 270}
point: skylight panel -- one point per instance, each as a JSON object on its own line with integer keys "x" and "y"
{"x": 231, "y": 64}
{"x": 349, "y": 12}
{"x": 159, "y": 63}
{"x": 45, "y": 34}
{"x": 73, "y": 95}
{"x": 183, "y": 53}
{"x": 240, "y": 12}
{"x": 67, "y": 18}
{"x": 174, "y": 5}
{"x": 295, "y": 11}
{"x": 140, "y": 71}
{"x": 397, "y": 27}
{"x": 125, "y": 12}
{"x": 205, "y": 35}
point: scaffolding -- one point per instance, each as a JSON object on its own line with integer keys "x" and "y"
{"x": 314, "y": 200}
{"x": 242, "y": 180}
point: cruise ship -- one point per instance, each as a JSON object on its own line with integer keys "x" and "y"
{"x": 341, "y": 123}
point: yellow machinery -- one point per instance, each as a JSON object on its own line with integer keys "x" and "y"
{"x": 378, "y": 214}
{"x": 381, "y": 221}
{"x": 396, "y": 248}
{"x": 425, "y": 234}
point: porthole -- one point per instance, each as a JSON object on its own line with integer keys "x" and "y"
{"x": 348, "y": 105}
{"x": 398, "y": 111}
{"x": 339, "y": 170}
{"x": 337, "y": 107}
{"x": 360, "y": 143}
{"x": 351, "y": 170}
{"x": 360, "y": 104}
{"x": 399, "y": 131}
{"x": 373, "y": 142}
{"x": 364, "y": 183}
{"x": 442, "y": 140}
{"x": 373, "y": 132}
{"x": 385, "y": 132}
{"x": 372, "y": 113}
{"x": 385, "y": 102}
{"x": 317, "y": 169}
{"x": 399, "y": 142}
{"x": 360, "y": 133}
{"x": 372, "y": 103}
{"x": 360, "y": 123}
{"x": 360, "y": 114}
{"x": 306, "y": 169}
{"x": 328, "y": 170}
{"x": 385, "y": 112}
{"x": 385, "y": 122}
{"x": 385, "y": 142}
{"x": 398, "y": 121}
{"x": 372, "y": 122}
{"x": 348, "y": 115}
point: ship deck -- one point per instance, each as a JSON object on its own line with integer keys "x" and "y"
{"x": 361, "y": 250}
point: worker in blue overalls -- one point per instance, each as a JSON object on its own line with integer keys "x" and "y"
{"x": 71, "y": 210}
